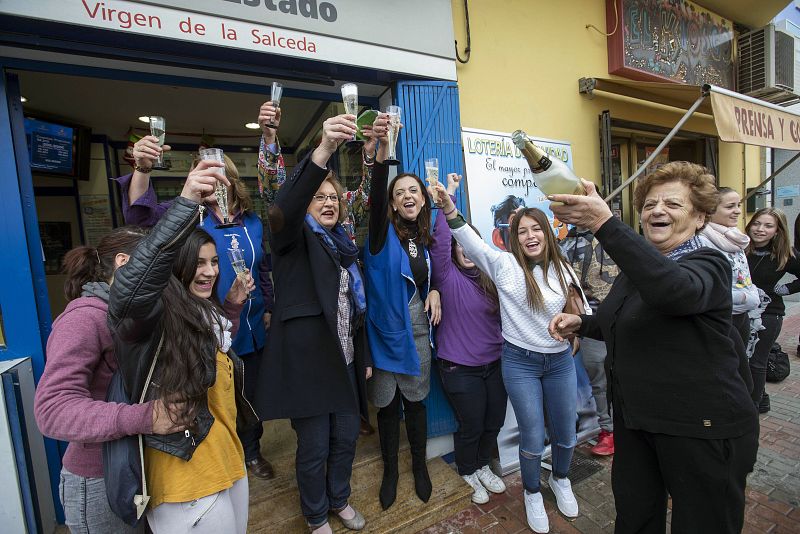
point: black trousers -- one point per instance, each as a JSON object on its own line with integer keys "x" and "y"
{"x": 758, "y": 362}
{"x": 251, "y": 437}
{"x": 706, "y": 479}
{"x": 479, "y": 401}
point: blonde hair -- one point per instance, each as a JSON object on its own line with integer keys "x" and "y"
{"x": 240, "y": 195}
{"x": 780, "y": 248}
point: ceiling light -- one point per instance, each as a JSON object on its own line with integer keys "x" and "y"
{"x": 145, "y": 118}
{"x": 252, "y": 126}
{"x": 23, "y": 99}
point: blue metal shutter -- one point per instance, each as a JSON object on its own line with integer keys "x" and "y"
{"x": 432, "y": 129}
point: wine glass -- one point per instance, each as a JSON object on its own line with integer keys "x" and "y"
{"x": 221, "y": 190}
{"x": 158, "y": 130}
{"x": 432, "y": 174}
{"x": 393, "y": 131}
{"x": 350, "y": 99}
{"x": 277, "y": 92}
{"x": 236, "y": 257}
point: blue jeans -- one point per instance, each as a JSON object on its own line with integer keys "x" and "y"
{"x": 326, "y": 448}
{"x": 86, "y": 508}
{"x": 540, "y": 384}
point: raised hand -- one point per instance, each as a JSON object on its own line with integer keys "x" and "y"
{"x": 335, "y": 131}
{"x": 269, "y": 113}
{"x": 240, "y": 289}
{"x": 453, "y": 182}
{"x": 440, "y": 196}
{"x": 585, "y": 211}
{"x": 202, "y": 180}
{"x": 146, "y": 150}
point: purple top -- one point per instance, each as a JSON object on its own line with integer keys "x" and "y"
{"x": 70, "y": 399}
{"x": 469, "y": 332}
{"x": 147, "y": 210}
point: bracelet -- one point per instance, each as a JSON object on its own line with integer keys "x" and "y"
{"x": 450, "y": 212}
{"x": 143, "y": 170}
{"x": 369, "y": 160}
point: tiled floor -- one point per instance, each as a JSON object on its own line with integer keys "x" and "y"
{"x": 773, "y": 495}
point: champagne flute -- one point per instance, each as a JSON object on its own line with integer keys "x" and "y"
{"x": 158, "y": 130}
{"x": 432, "y": 175}
{"x": 221, "y": 190}
{"x": 393, "y": 131}
{"x": 277, "y": 92}
{"x": 239, "y": 267}
{"x": 350, "y": 99}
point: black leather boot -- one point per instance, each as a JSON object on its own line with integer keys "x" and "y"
{"x": 417, "y": 430}
{"x": 389, "y": 434}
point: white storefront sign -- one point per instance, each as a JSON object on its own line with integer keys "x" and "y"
{"x": 291, "y": 31}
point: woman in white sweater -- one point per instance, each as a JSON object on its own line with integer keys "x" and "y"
{"x": 538, "y": 372}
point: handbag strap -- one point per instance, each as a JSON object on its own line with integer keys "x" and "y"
{"x": 145, "y": 498}
{"x": 152, "y": 368}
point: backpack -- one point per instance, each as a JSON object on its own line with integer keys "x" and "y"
{"x": 777, "y": 364}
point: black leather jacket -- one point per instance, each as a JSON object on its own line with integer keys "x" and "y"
{"x": 134, "y": 314}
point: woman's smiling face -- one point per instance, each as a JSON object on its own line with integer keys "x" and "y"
{"x": 408, "y": 198}
{"x": 207, "y": 271}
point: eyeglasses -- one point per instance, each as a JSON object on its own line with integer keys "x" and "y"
{"x": 322, "y": 198}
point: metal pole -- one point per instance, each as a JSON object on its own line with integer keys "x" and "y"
{"x": 771, "y": 176}
{"x": 660, "y": 147}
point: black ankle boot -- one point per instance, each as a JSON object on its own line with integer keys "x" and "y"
{"x": 417, "y": 430}
{"x": 389, "y": 434}
{"x": 764, "y": 406}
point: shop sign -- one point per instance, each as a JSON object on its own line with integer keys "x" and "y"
{"x": 498, "y": 173}
{"x": 225, "y": 25}
{"x": 389, "y": 24}
{"x": 670, "y": 40}
{"x": 740, "y": 120}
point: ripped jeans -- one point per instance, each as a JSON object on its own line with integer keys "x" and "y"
{"x": 541, "y": 385}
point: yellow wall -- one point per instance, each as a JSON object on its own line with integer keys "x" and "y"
{"x": 527, "y": 58}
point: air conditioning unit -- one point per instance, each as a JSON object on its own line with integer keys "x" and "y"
{"x": 767, "y": 68}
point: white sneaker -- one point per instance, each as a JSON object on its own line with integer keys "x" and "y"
{"x": 479, "y": 495}
{"x": 562, "y": 488}
{"x": 490, "y": 481}
{"x": 534, "y": 511}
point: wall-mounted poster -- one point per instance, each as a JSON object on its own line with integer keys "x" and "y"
{"x": 669, "y": 40}
{"x": 500, "y": 181}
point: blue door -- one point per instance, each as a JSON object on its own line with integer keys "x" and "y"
{"x": 24, "y": 307}
{"x": 432, "y": 129}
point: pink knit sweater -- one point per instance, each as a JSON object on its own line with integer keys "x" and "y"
{"x": 70, "y": 398}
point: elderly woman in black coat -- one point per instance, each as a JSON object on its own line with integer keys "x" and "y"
{"x": 317, "y": 362}
{"x": 684, "y": 424}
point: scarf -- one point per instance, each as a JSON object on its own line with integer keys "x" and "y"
{"x": 725, "y": 238}
{"x": 100, "y": 290}
{"x": 342, "y": 247}
{"x": 693, "y": 243}
{"x": 222, "y": 331}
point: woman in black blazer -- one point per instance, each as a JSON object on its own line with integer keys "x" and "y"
{"x": 317, "y": 362}
{"x": 684, "y": 424}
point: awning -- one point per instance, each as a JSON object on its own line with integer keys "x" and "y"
{"x": 738, "y": 118}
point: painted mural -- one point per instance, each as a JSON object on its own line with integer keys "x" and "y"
{"x": 671, "y": 40}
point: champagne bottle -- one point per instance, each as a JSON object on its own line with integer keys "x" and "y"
{"x": 553, "y": 177}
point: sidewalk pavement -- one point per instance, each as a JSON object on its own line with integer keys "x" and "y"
{"x": 773, "y": 492}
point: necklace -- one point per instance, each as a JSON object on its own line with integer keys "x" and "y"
{"x": 412, "y": 248}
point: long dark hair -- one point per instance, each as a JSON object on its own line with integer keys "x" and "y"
{"x": 423, "y": 218}
{"x": 186, "y": 360}
{"x": 96, "y": 264}
{"x": 484, "y": 282}
{"x": 550, "y": 255}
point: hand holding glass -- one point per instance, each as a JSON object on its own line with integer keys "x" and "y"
{"x": 277, "y": 91}
{"x": 158, "y": 130}
{"x": 392, "y": 134}
{"x": 350, "y": 99}
{"x": 240, "y": 267}
{"x": 432, "y": 174}
{"x": 221, "y": 190}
